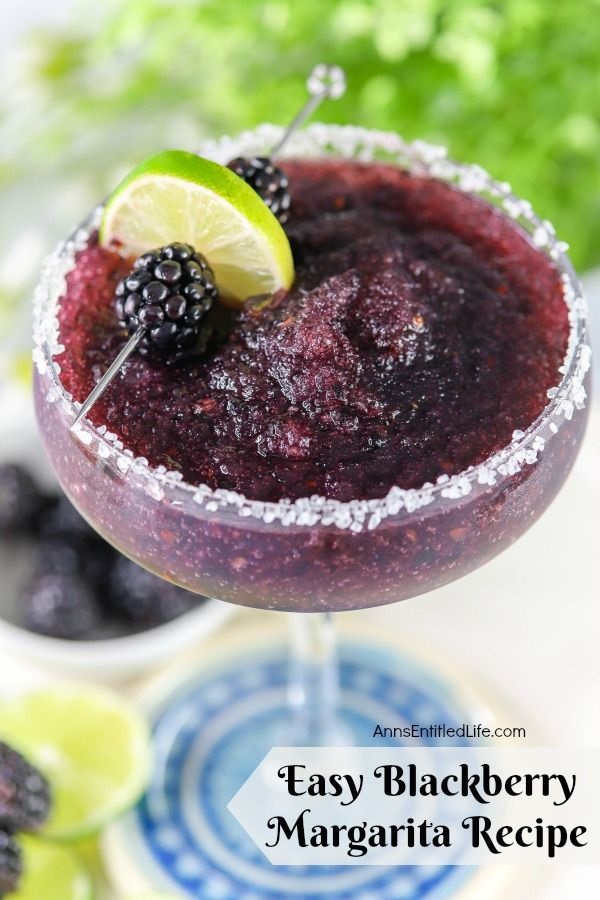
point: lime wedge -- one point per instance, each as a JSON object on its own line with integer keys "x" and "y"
{"x": 52, "y": 873}
{"x": 92, "y": 746}
{"x": 178, "y": 196}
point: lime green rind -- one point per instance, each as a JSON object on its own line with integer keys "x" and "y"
{"x": 52, "y": 873}
{"x": 94, "y": 749}
{"x": 205, "y": 173}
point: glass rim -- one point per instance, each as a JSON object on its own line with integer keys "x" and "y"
{"x": 363, "y": 145}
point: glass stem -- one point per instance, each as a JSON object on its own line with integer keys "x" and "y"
{"x": 313, "y": 689}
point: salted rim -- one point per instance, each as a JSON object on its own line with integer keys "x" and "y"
{"x": 349, "y": 142}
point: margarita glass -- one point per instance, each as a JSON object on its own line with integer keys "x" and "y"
{"x": 317, "y": 555}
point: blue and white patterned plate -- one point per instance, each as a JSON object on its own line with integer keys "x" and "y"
{"x": 210, "y": 732}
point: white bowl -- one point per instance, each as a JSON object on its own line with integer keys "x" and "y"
{"x": 107, "y": 660}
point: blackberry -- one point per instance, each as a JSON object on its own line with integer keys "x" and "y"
{"x": 57, "y": 557}
{"x": 91, "y": 561}
{"x": 25, "y": 799}
{"x": 60, "y": 605}
{"x": 61, "y": 521}
{"x": 20, "y": 500}
{"x": 170, "y": 292}
{"x": 70, "y": 546}
{"x": 268, "y": 180}
{"x": 145, "y": 599}
{"x": 11, "y": 863}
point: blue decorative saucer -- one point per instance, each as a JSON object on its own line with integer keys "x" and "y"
{"x": 212, "y": 730}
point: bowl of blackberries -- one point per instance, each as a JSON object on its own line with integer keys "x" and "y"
{"x": 71, "y": 599}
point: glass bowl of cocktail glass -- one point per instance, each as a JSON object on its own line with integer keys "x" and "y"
{"x": 314, "y": 556}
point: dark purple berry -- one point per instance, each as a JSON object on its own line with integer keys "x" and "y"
{"x": 168, "y": 271}
{"x": 57, "y": 556}
{"x": 180, "y": 252}
{"x": 146, "y": 261}
{"x": 61, "y": 520}
{"x": 188, "y": 335}
{"x": 145, "y": 599}
{"x": 11, "y": 863}
{"x": 195, "y": 271}
{"x": 88, "y": 560}
{"x": 196, "y": 313}
{"x": 20, "y": 500}
{"x": 169, "y": 292}
{"x": 164, "y": 335}
{"x": 175, "y": 307}
{"x": 151, "y": 315}
{"x": 155, "y": 292}
{"x": 136, "y": 281}
{"x": 68, "y": 546}
{"x": 268, "y": 180}
{"x": 25, "y": 799}
{"x": 131, "y": 304}
{"x": 196, "y": 295}
{"x": 60, "y": 605}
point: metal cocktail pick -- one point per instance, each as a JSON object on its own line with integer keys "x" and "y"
{"x": 110, "y": 373}
{"x": 323, "y": 82}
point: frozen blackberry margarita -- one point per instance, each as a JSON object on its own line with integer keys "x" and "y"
{"x": 380, "y": 419}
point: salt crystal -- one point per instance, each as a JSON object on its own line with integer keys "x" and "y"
{"x": 374, "y": 521}
{"x": 154, "y": 490}
{"x": 540, "y": 237}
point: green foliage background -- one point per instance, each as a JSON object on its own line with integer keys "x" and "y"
{"x": 512, "y": 84}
